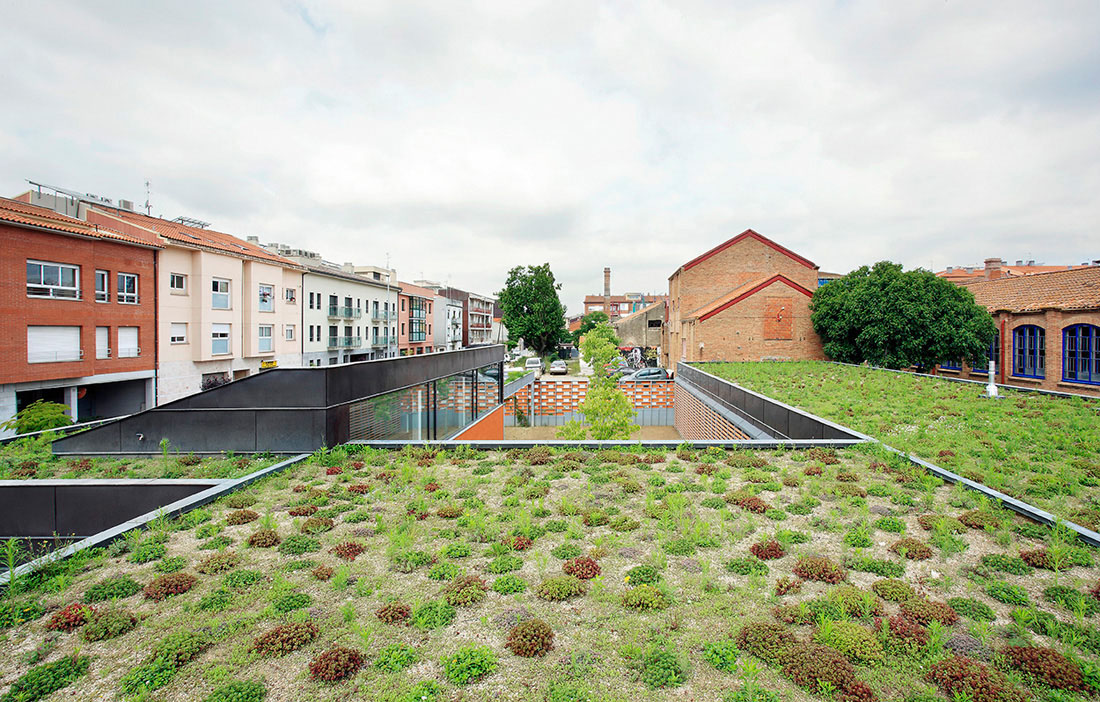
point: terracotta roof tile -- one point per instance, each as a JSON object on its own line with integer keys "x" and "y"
{"x": 209, "y": 238}
{"x": 25, "y": 214}
{"x": 1077, "y": 289}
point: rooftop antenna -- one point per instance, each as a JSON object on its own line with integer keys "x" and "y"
{"x": 148, "y": 207}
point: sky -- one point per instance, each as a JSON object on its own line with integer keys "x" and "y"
{"x": 461, "y": 139}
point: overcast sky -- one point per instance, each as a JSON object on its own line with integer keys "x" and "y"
{"x": 467, "y": 138}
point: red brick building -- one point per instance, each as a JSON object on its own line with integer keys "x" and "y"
{"x": 1048, "y": 330}
{"x": 996, "y": 268}
{"x": 77, "y": 314}
{"x": 746, "y": 299}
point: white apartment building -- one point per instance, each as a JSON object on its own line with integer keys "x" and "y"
{"x": 481, "y": 319}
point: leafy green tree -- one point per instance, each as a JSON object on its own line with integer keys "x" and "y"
{"x": 38, "y": 416}
{"x": 532, "y": 309}
{"x": 588, "y": 323}
{"x": 897, "y": 319}
{"x": 607, "y": 410}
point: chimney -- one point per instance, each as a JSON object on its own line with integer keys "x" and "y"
{"x": 253, "y": 239}
{"x": 1019, "y": 262}
{"x": 992, "y": 268}
{"x": 1031, "y": 262}
{"x": 607, "y": 291}
{"x": 950, "y": 268}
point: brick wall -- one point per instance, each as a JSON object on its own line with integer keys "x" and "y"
{"x": 562, "y": 397}
{"x": 17, "y": 311}
{"x": 774, "y": 323}
{"x": 697, "y": 422}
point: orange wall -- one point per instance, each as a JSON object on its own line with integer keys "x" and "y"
{"x": 488, "y": 428}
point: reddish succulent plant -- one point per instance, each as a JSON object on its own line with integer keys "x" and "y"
{"x": 302, "y": 511}
{"x": 393, "y": 613}
{"x": 767, "y": 550}
{"x": 360, "y": 488}
{"x": 168, "y": 585}
{"x": 753, "y": 504}
{"x": 1046, "y": 665}
{"x": 285, "y": 638}
{"x": 767, "y": 641}
{"x": 819, "y": 568}
{"x": 323, "y": 573}
{"x": 530, "y": 638}
{"x": 913, "y": 549}
{"x": 348, "y": 550}
{"x": 264, "y": 538}
{"x": 924, "y": 611}
{"x": 241, "y": 516}
{"x": 582, "y": 567}
{"x": 334, "y": 470}
{"x": 967, "y": 678}
{"x": 336, "y": 664}
{"x": 70, "y": 617}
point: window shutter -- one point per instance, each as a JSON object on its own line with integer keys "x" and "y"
{"x": 128, "y": 342}
{"x": 102, "y": 342}
{"x": 50, "y": 344}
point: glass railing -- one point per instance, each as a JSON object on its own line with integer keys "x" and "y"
{"x": 338, "y": 342}
{"x": 380, "y": 341}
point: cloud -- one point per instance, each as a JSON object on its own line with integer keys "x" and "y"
{"x": 465, "y": 139}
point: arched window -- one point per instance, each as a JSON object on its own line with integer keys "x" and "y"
{"x": 1029, "y": 353}
{"x": 1081, "y": 353}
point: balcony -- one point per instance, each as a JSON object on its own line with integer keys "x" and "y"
{"x": 344, "y": 342}
{"x": 382, "y": 316}
{"x": 338, "y": 311}
{"x": 417, "y": 337}
{"x": 380, "y": 341}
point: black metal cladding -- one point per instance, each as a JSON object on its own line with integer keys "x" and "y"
{"x": 280, "y": 410}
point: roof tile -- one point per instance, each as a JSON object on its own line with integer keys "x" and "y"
{"x": 1061, "y": 290}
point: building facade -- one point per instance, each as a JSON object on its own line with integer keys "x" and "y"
{"x": 416, "y": 319}
{"x": 480, "y": 319}
{"x": 997, "y": 268}
{"x": 77, "y": 313}
{"x": 746, "y": 299}
{"x": 1048, "y": 331}
{"x": 616, "y": 306}
{"x": 642, "y": 329}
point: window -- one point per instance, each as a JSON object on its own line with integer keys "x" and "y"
{"x": 53, "y": 280}
{"x": 102, "y": 294}
{"x": 954, "y": 365}
{"x": 53, "y": 344}
{"x": 993, "y": 354}
{"x": 178, "y": 333}
{"x": 128, "y": 288}
{"x": 177, "y": 283}
{"x": 267, "y": 298}
{"x": 311, "y": 332}
{"x": 289, "y": 332}
{"x": 290, "y": 295}
{"x": 219, "y": 294}
{"x": 402, "y": 327}
{"x": 402, "y": 304}
{"x": 311, "y": 300}
{"x": 102, "y": 342}
{"x": 265, "y": 339}
{"x": 1081, "y": 354}
{"x": 128, "y": 342}
{"x": 219, "y": 339}
{"x": 1029, "y": 351}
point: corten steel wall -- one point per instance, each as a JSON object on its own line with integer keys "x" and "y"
{"x": 770, "y": 416}
{"x": 557, "y": 401}
{"x": 282, "y": 410}
{"x": 41, "y": 508}
{"x": 697, "y": 422}
{"x": 488, "y": 428}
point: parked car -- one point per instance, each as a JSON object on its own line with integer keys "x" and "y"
{"x": 534, "y": 363}
{"x": 645, "y": 374}
{"x": 558, "y": 367}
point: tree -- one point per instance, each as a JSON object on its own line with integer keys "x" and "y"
{"x": 607, "y": 410}
{"x": 38, "y": 416}
{"x": 897, "y": 319}
{"x": 532, "y": 309}
{"x": 588, "y": 323}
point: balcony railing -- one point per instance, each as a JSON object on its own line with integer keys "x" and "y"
{"x": 344, "y": 312}
{"x": 55, "y": 356}
{"x": 344, "y": 342}
{"x": 132, "y": 352}
{"x": 380, "y": 341}
{"x": 417, "y": 337}
{"x": 382, "y": 316}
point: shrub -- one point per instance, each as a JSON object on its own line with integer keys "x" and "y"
{"x": 466, "y": 590}
{"x": 147, "y": 551}
{"x": 336, "y": 664}
{"x": 241, "y": 516}
{"x": 297, "y": 544}
{"x": 562, "y": 587}
{"x": 924, "y": 611}
{"x": 642, "y": 575}
{"x": 767, "y": 550}
{"x": 292, "y": 601}
{"x": 112, "y": 589}
{"x": 264, "y": 538}
{"x": 41, "y": 680}
{"x": 317, "y": 525}
{"x": 285, "y": 638}
{"x": 107, "y": 623}
{"x": 646, "y": 597}
{"x": 1006, "y": 564}
{"x": 818, "y": 568}
{"x": 767, "y": 641}
{"x": 433, "y": 615}
{"x": 508, "y": 584}
{"x": 746, "y": 566}
{"x": 893, "y": 590}
{"x": 505, "y": 563}
{"x": 1008, "y": 593}
{"x": 218, "y": 563}
{"x": 963, "y": 678}
{"x": 172, "y": 564}
{"x": 395, "y": 657}
{"x": 168, "y": 585}
{"x": 853, "y": 641}
{"x": 469, "y": 664}
{"x": 1045, "y": 665}
{"x": 567, "y": 551}
{"x": 777, "y": 515}
{"x": 972, "y": 609}
{"x": 147, "y": 677}
{"x": 584, "y": 568}
{"x": 661, "y": 667}
{"x": 241, "y": 579}
{"x": 913, "y": 549}
{"x": 393, "y": 613}
{"x": 722, "y": 655}
{"x": 69, "y": 618}
{"x": 890, "y": 524}
{"x": 904, "y": 636}
{"x": 531, "y": 638}
{"x": 239, "y": 691}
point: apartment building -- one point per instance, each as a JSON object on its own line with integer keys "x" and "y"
{"x": 747, "y": 299}
{"x": 996, "y": 268}
{"x": 416, "y": 318}
{"x": 480, "y": 319}
{"x": 346, "y": 316}
{"x": 77, "y": 314}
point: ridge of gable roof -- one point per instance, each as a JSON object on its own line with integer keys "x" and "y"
{"x": 1075, "y": 289}
{"x": 748, "y": 234}
{"x": 738, "y": 294}
{"x": 25, "y": 214}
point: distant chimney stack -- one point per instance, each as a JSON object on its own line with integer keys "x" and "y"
{"x": 253, "y": 239}
{"x": 607, "y": 282}
{"x": 992, "y": 268}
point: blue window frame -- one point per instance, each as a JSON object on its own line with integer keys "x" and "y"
{"x": 1081, "y": 354}
{"x": 1029, "y": 353}
{"x": 955, "y": 365}
{"x": 993, "y": 354}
